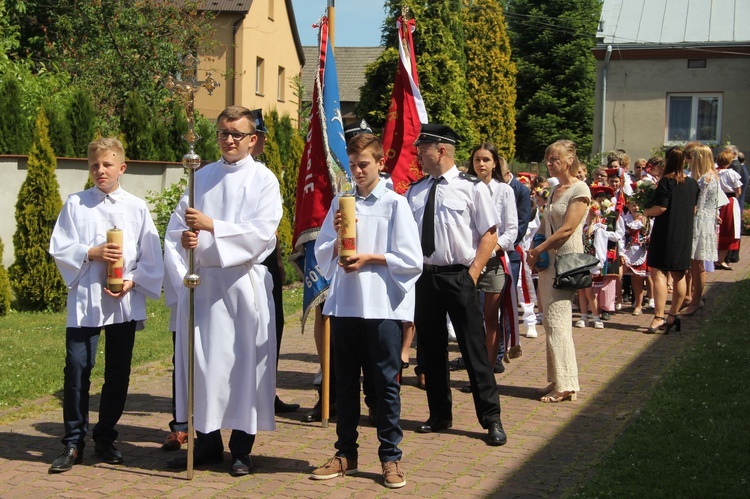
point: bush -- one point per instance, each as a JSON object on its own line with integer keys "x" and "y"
{"x": 4, "y": 286}
{"x": 164, "y": 203}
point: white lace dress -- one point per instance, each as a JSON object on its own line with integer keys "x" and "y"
{"x": 705, "y": 242}
{"x": 562, "y": 367}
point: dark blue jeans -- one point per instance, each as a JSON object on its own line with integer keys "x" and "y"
{"x": 81, "y": 345}
{"x": 382, "y": 339}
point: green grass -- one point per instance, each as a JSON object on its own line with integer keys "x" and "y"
{"x": 32, "y": 354}
{"x": 692, "y": 439}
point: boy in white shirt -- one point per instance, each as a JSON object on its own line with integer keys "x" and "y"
{"x": 81, "y": 251}
{"x": 369, "y": 297}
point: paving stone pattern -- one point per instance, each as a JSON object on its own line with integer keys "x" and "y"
{"x": 550, "y": 448}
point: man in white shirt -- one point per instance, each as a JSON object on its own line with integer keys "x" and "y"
{"x": 231, "y": 230}
{"x": 81, "y": 251}
{"x": 371, "y": 294}
{"x": 457, "y": 223}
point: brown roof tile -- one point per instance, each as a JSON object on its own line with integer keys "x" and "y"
{"x": 350, "y": 66}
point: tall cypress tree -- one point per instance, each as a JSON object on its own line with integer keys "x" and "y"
{"x": 81, "y": 118}
{"x": 490, "y": 75}
{"x": 552, "y": 46}
{"x": 4, "y": 285}
{"x": 15, "y": 135}
{"x": 441, "y": 61}
{"x": 137, "y": 128}
{"x": 35, "y": 280}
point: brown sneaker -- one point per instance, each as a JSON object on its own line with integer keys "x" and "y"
{"x": 393, "y": 475}
{"x": 335, "y": 467}
{"x": 175, "y": 440}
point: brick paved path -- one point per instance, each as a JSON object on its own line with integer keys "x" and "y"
{"x": 550, "y": 446}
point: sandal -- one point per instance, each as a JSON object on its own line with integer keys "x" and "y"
{"x": 654, "y": 329}
{"x": 555, "y": 397}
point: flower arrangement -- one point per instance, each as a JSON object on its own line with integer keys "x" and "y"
{"x": 644, "y": 194}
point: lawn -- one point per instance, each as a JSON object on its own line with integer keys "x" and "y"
{"x": 32, "y": 354}
{"x": 692, "y": 438}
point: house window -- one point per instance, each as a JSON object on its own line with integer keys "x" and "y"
{"x": 270, "y": 9}
{"x": 260, "y": 74}
{"x": 281, "y": 85}
{"x": 693, "y": 117}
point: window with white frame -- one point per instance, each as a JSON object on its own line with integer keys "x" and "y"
{"x": 693, "y": 117}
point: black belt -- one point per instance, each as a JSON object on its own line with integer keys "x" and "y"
{"x": 731, "y": 194}
{"x": 441, "y": 269}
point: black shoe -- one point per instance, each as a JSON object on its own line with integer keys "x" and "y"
{"x": 66, "y": 460}
{"x": 496, "y": 434}
{"x": 199, "y": 458}
{"x": 434, "y": 425}
{"x": 108, "y": 452}
{"x": 499, "y": 367}
{"x": 241, "y": 465}
{"x": 466, "y": 388}
{"x": 316, "y": 415}
{"x": 280, "y": 407}
{"x": 606, "y": 316}
{"x": 457, "y": 364}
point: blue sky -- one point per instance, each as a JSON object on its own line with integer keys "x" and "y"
{"x": 358, "y": 22}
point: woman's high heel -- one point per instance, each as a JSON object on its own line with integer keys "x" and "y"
{"x": 676, "y": 323}
{"x": 652, "y": 329}
{"x": 692, "y": 312}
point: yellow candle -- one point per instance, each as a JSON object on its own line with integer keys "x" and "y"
{"x": 348, "y": 230}
{"x": 114, "y": 270}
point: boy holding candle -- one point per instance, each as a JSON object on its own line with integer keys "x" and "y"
{"x": 370, "y": 294}
{"x": 82, "y": 253}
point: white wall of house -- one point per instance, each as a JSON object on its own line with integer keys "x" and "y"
{"x": 637, "y": 89}
{"x": 139, "y": 179}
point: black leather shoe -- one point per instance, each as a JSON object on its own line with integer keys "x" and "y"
{"x": 280, "y": 407}
{"x": 66, "y": 460}
{"x": 499, "y": 367}
{"x": 200, "y": 458}
{"x": 434, "y": 425}
{"x": 241, "y": 465}
{"x": 316, "y": 415}
{"x": 496, "y": 434}
{"x": 108, "y": 452}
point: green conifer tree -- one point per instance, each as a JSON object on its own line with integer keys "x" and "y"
{"x": 137, "y": 124}
{"x": 36, "y": 282}
{"x": 552, "y": 46}
{"x": 59, "y": 128}
{"x": 81, "y": 117}
{"x": 490, "y": 75}
{"x": 441, "y": 61}
{"x": 4, "y": 285}
{"x": 15, "y": 134}
{"x": 207, "y": 148}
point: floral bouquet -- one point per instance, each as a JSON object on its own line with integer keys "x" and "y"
{"x": 644, "y": 194}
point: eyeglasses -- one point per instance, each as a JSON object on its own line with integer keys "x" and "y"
{"x": 236, "y": 136}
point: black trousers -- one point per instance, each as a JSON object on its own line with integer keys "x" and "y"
{"x": 240, "y": 443}
{"x": 454, "y": 293}
{"x": 272, "y": 264}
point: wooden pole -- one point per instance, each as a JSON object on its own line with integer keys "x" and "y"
{"x": 331, "y": 23}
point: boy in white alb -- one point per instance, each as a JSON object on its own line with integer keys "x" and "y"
{"x": 369, "y": 297}
{"x": 81, "y": 251}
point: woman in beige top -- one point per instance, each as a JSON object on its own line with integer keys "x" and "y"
{"x": 563, "y": 226}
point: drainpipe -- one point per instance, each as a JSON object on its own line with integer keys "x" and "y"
{"x": 604, "y": 96}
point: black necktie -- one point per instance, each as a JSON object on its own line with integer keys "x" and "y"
{"x": 428, "y": 222}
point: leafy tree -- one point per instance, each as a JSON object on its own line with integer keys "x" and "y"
{"x": 439, "y": 48}
{"x": 164, "y": 203}
{"x": 15, "y": 134}
{"x": 112, "y": 48}
{"x": 35, "y": 280}
{"x": 4, "y": 286}
{"x": 490, "y": 75}
{"x": 552, "y": 46}
{"x": 81, "y": 117}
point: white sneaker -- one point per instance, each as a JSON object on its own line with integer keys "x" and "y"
{"x": 531, "y": 331}
{"x": 651, "y": 303}
{"x": 598, "y": 325}
{"x": 618, "y": 306}
{"x": 580, "y": 323}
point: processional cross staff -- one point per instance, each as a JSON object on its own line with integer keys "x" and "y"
{"x": 186, "y": 85}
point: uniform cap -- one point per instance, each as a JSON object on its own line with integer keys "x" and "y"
{"x": 260, "y": 125}
{"x": 355, "y": 129}
{"x": 435, "y": 132}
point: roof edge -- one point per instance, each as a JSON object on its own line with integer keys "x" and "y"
{"x": 295, "y": 31}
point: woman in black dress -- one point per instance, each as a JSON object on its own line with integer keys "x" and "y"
{"x": 672, "y": 237}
